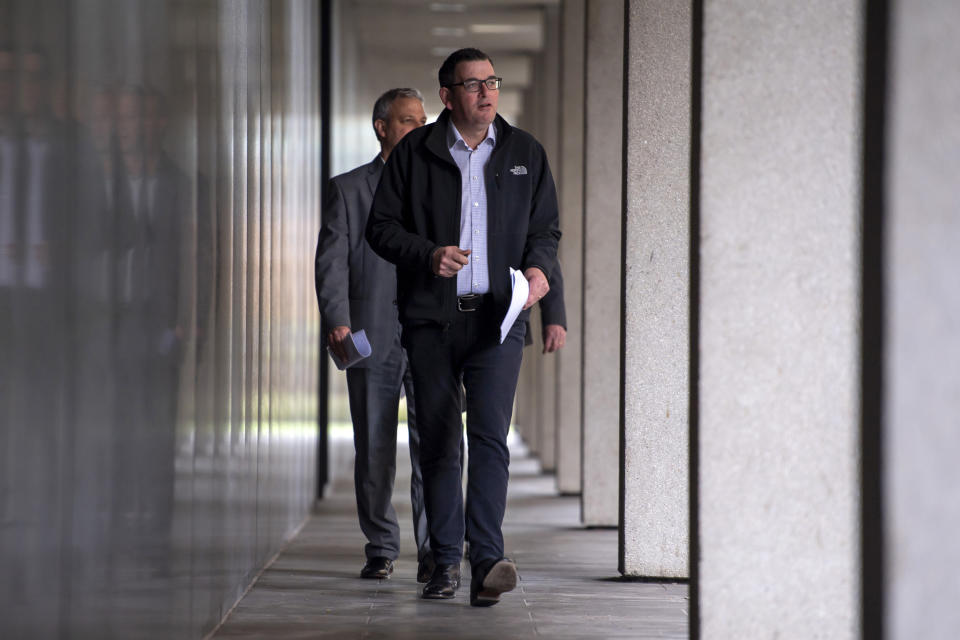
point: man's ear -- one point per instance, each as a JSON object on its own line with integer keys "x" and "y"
{"x": 445, "y": 97}
{"x": 381, "y": 128}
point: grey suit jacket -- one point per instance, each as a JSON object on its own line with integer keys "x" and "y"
{"x": 355, "y": 287}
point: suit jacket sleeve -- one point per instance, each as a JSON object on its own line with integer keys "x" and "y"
{"x": 543, "y": 233}
{"x": 552, "y": 308}
{"x": 386, "y": 230}
{"x": 332, "y": 260}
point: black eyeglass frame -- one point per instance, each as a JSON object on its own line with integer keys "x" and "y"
{"x": 497, "y": 80}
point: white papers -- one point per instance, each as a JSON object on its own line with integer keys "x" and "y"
{"x": 521, "y": 291}
{"x": 358, "y": 348}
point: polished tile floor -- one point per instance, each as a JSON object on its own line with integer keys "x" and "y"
{"x": 569, "y": 588}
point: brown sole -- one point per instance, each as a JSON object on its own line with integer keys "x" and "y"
{"x": 501, "y": 578}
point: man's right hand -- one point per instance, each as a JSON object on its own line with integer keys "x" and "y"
{"x": 447, "y": 261}
{"x": 336, "y": 339}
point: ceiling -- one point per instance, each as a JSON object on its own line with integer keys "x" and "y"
{"x": 381, "y": 44}
{"x": 401, "y": 40}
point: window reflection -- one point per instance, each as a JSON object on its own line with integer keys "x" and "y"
{"x": 156, "y": 164}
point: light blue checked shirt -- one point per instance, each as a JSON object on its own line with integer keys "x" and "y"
{"x": 475, "y": 277}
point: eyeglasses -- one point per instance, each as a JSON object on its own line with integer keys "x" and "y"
{"x": 472, "y": 85}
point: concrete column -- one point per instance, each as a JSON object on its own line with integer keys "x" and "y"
{"x": 530, "y": 375}
{"x": 548, "y": 411}
{"x": 530, "y": 389}
{"x": 922, "y": 336}
{"x": 525, "y": 404}
{"x": 654, "y": 535}
{"x": 604, "y": 203}
{"x": 569, "y": 175}
{"x": 548, "y": 381}
{"x": 779, "y": 279}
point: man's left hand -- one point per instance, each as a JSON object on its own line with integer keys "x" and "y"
{"x": 554, "y": 337}
{"x": 538, "y": 286}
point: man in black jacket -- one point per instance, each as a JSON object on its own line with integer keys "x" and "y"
{"x": 460, "y": 203}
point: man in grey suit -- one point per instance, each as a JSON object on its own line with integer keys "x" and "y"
{"x": 357, "y": 289}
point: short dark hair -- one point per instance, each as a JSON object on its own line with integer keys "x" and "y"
{"x": 446, "y": 73}
{"x": 381, "y": 108}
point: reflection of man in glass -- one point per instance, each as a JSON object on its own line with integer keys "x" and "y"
{"x": 8, "y": 176}
{"x": 153, "y": 192}
{"x": 99, "y": 120}
{"x": 33, "y": 190}
{"x": 44, "y": 166}
{"x": 8, "y": 275}
{"x": 151, "y": 205}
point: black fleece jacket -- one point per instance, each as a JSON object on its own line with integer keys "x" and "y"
{"x": 416, "y": 209}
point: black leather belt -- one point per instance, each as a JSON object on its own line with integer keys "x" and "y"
{"x": 472, "y": 301}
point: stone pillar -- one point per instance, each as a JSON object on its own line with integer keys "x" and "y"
{"x": 548, "y": 381}
{"x": 570, "y": 191}
{"x": 922, "y": 333}
{"x": 528, "y": 396}
{"x": 779, "y": 332}
{"x": 525, "y": 405}
{"x": 601, "y": 284}
{"x": 654, "y": 534}
{"x": 548, "y": 406}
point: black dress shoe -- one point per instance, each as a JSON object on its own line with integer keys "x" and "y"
{"x": 378, "y": 568}
{"x": 490, "y": 580}
{"x": 443, "y": 583}
{"x": 425, "y": 568}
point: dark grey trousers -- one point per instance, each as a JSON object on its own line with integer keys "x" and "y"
{"x": 374, "y": 399}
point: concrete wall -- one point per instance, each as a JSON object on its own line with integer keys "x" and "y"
{"x": 654, "y": 538}
{"x": 922, "y": 350}
{"x": 778, "y": 384}
{"x": 601, "y": 278}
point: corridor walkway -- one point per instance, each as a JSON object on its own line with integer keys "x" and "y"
{"x": 569, "y": 588}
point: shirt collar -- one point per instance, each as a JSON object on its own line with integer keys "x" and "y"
{"x": 453, "y": 136}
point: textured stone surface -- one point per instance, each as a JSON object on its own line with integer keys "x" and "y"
{"x": 779, "y": 306}
{"x": 570, "y": 191}
{"x": 655, "y": 517}
{"x": 525, "y": 402}
{"x": 527, "y": 399}
{"x": 601, "y": 282}
{"x": 548, "y": 408}
{"x": 923, "y": 331}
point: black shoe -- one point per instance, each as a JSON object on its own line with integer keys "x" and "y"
{"x": 378, "y": 568}
{"x": 443, "y": 583}
{"x": 425, "y": 568}
{"x": 489, "y": 581}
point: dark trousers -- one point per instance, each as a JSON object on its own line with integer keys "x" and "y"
{"x": 374, "y": 398}
{"x": 439, "y": 356}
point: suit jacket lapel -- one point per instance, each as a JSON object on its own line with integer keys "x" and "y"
{"x": 373, "y": 177}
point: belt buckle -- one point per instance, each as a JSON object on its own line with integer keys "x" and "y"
{"x": 470, "y": 297}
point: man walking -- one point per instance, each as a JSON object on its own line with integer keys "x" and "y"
{"x": 461, "y": 202}
{"x": 357, "y": 290}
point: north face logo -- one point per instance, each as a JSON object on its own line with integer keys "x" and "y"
{"x": 519, "y": 170}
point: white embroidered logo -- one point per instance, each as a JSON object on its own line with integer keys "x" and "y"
{"x": 519, "y": 170}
